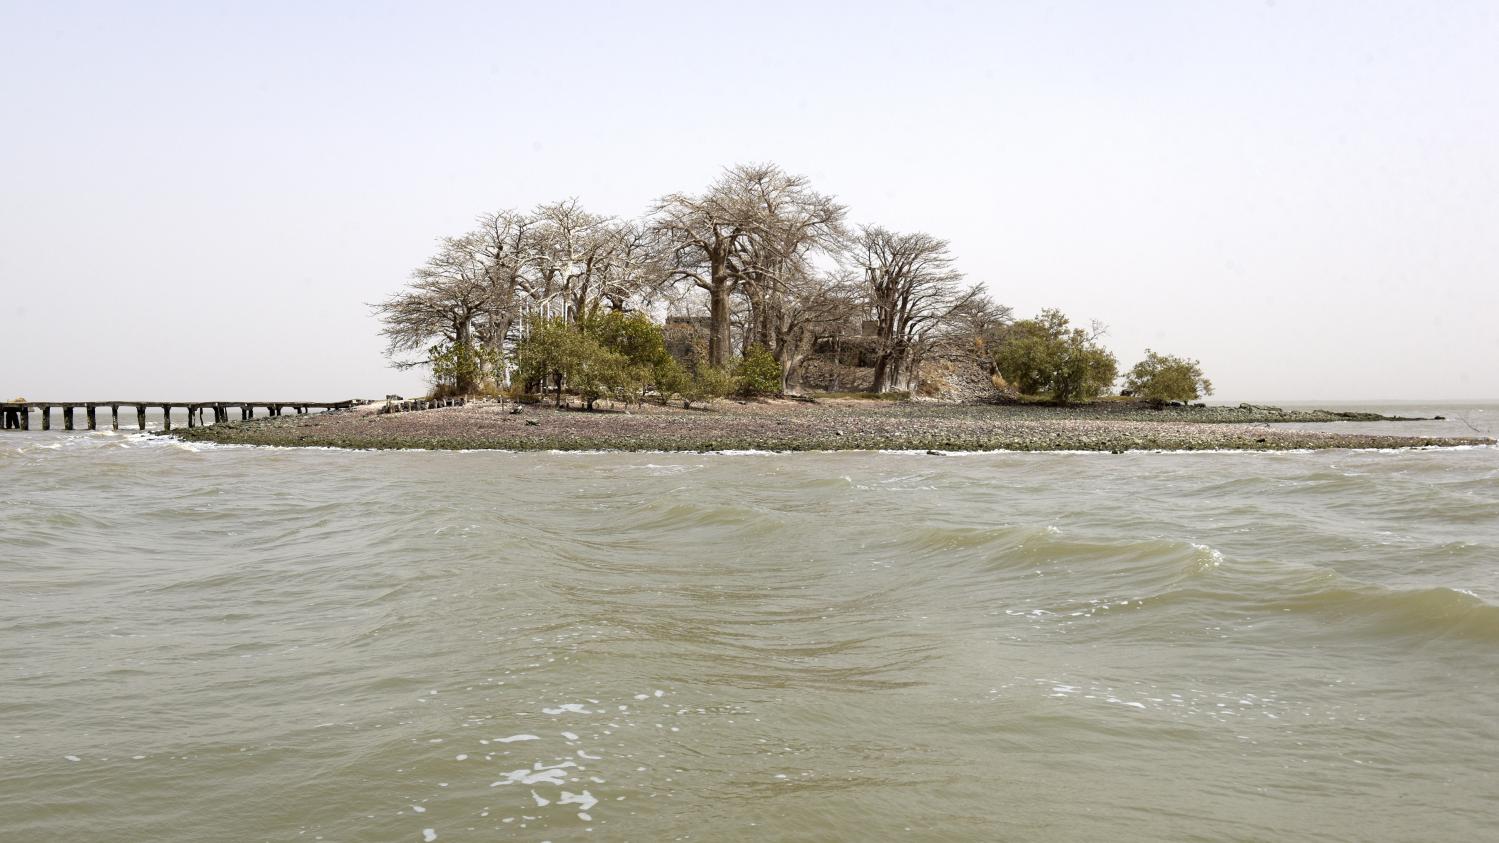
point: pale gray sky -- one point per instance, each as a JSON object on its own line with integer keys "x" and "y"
{"x": 197, "y": 199}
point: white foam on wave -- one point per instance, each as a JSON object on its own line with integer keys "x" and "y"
{"x": 527, "y": 776}
{"x": 1208, "y": 557}
{"x": 656, "y": 470}
{"x": 585, "y": 800}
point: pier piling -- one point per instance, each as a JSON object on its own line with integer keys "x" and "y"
{"x": 89, "y": 410}
{"x": 140, "y": 416}
{"x": 67, "y": 418}
{"x": 114, "y": 416}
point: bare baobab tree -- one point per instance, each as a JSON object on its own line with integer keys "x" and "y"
{"x": 790, "y": 222}
{"x": 974, "y": 330}
{"x": 807, "y": 307}
{"x": 504, "y": 238}
{"x": 566, "y": 246}
{"x": 636, "y": 271}
{"x": 747, "y": 234}
{"x": 704, "y": 235}
{"x": 912, "y": 289}
{"x": 447, "y": 294}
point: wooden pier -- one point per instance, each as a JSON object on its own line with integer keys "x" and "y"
{"x": 17, "y": 415}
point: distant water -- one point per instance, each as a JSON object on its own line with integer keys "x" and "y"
{"x": 209, "y": 643}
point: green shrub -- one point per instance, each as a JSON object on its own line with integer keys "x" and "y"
{"x": 1046, "y": 356}
{"x": 669, "y": 378}
{"x": 632, "y": 335}
{"x": 460, "y": 368}
{"x": 557, "y": 352}
{"x": 759, "y": 373}
{"x": 1162, "y": 377}
{"x": 707, "y": 385}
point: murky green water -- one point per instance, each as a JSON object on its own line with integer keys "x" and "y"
{"x": 239, "y": 644}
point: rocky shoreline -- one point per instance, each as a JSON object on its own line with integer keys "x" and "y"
{"x": 828, "y": 425}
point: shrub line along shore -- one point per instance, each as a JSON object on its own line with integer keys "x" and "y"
{"x": 825, "y": 425}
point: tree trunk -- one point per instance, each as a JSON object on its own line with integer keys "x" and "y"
{"x": 463, "y": 378}
{"x": 890, "y": 370}
{"x": 791, "y": 374}
{"x": 887, "y": 365}
{"x": 910, "y": 374}
{"x": 763, "y": 316}
{"x": 755, "y": 295}
{"x": 770, "y": 317}
{"x": 719, "y": 338}
{"x": 494, "y": 342}
{"x": 881, "y": 382}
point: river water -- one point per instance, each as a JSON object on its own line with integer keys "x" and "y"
{"x": 223, "y": 643}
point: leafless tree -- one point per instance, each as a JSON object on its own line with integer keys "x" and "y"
{"x": 911, "y": 289}
{"x": 750, "y": 233}
{"x": 505, "y": 237}
{"x": 447, "y": 294}
{"x": 789, "y": 223}
{"x": 628, "y": 272}
{"x": 703, "y": 236}
{"x": 974, "y": 329}
{"x": 819, "y": 304}
{"x": 563, "y": 248}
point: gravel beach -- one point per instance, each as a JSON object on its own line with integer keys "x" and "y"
{"x": 825, "y": 425}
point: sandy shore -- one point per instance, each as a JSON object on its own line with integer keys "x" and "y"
{"x": 799, "y": 426}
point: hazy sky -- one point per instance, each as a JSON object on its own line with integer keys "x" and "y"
{"x": 198, "y": 199}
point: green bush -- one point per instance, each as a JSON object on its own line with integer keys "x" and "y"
{"x": 759, "y": 373}
{"x": 460, "y": 368}
{"x": 706, "y": 385}
{"x": 669, "y": 378}
{"x": 1046, "y": 356}
{"x": 1162, "y": 377}
{"x": 610, "y": 355}
{"x": 632, "y": 335}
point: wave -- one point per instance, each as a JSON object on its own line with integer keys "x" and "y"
{"x": 1215, "y": 592}
{"x": 1042, "y": 572}
{"x": 1435, "y": 612}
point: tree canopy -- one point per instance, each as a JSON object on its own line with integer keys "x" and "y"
{"x": 1163, "y": 377}
{"x": 1047, "y": 356}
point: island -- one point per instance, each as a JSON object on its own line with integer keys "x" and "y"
{"x": 754, "y": 315}
{"x": 824, "y": 424}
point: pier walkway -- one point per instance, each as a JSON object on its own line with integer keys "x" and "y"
{"x": 17, "y": 415}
